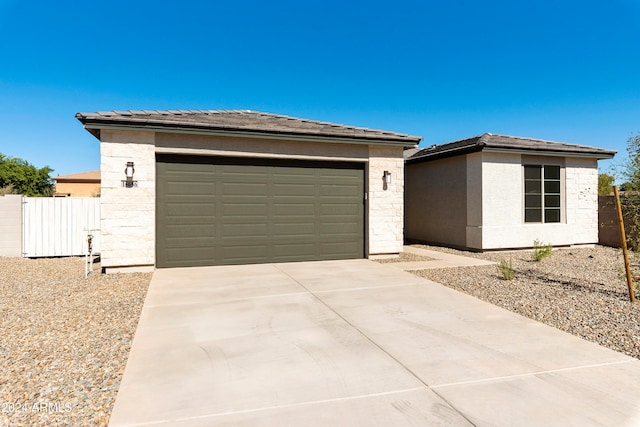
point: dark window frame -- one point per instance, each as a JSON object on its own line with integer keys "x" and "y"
{"x": 543, "y": 194}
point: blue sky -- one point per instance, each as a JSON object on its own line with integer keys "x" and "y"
{"x": 558, "y": 70}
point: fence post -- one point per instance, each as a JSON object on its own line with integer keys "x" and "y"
{"x": 623, "y": 241}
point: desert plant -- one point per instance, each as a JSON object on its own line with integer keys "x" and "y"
{"x": 506, "y": 269}
{"x": 540, "y": 250}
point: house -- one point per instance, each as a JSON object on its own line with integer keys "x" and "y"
{"x": 195, "y": 188}
{"x": 85, "y": 184}
{"x": 502, "y": 192}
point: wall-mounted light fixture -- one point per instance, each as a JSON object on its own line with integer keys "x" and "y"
{"x": 128, "y": 173}
{"x": 386, "y": 180}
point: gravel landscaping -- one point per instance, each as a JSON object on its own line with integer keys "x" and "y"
{"x": 580, "y": 291}
{"x": 65, "y": 340}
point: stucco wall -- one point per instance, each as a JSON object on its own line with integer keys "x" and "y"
{"x": 11, "y": 225}
{"x": 245, "y": 147}
{"x": 474, "y": 201}
{"x": 436, "y": 201}
{"x": 386, "y": 202}
{"x": 78, "y": 189}
{"x": 128, "y": 214}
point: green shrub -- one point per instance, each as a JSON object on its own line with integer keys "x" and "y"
{"x": 540, "y": 250}
{"x": 506, "y": 269}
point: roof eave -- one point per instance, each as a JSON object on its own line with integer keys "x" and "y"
{"x": 457, "y": 151}
{"x": 95, "y": 128}
{"x": 600, "y": 155}
{"x": 541, "y": 152}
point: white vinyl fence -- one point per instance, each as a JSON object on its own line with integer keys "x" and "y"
{"x": 59, "y": 226}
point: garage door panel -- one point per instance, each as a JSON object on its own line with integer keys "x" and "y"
{"x": 338, "y": 249}
{"x": 197, "y": 256}
{"x": 294, "y": 189}
{"x": 294, "y": 252}
{"x": 244, "y": 254}
{"x": 339, "y": 190}
{"x": 288, "y": 209}
{"x": 245, "y": 209}
{"x": 244, "y": 189}
{"x": 304, "y": 230}
{"x": 190, "y": 231}
{"x": 244, "y": 229}
{"x": 340, "y": 209}
{"x": 189, "y": 208}
{"x": 248, "y": 172}
{"x": 186, "y": 188}
{"x": 214, "y": 211}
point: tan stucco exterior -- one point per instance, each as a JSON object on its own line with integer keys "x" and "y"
{"x": 437, "y": 208}
{"x": 128, "y": 214}
{"x": 85, "y": 184}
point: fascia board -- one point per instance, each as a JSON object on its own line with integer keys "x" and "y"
{"x": 601, "y": 156}
{"x": 249, "y": 134}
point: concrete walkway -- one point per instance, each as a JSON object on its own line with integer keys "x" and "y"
{"x": 439, "y": 260}
{"x": 356, "y": 343}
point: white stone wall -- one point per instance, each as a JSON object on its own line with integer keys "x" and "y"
{"x": 582, "y": 199}
{"x": 503, "y": 223}
{"x": 386, "y": 206}
{"x": 127, "y": 214}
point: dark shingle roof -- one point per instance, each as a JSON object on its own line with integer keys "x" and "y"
{"x": 239, "y": 121}
{"x": 494, "y": 142}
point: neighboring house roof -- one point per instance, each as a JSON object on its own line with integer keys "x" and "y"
{"x": 88, "y": 177}
{"x": 492, "y": 142}
{"x": 242, "y": 122}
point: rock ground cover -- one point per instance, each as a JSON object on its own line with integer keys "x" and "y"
{"x": 65, "y": 340}
{"x": 580, "y": 291}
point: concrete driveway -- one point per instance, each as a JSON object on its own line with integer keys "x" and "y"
{"x": 356, "y": 343}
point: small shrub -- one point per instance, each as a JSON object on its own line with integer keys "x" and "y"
{"x": 540, "y": 250}
{"x": 506, "y": 269}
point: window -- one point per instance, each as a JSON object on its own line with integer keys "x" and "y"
{"x": 542, "y": 193}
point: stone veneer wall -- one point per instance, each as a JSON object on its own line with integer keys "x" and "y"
{"x": 127, "y": 215}
{"x": 582, "y": 198}
{"x": 503, "y": 225}
{"x": 386, "y": 206}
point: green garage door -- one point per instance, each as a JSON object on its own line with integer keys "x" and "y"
{"x": 219, "y": 210}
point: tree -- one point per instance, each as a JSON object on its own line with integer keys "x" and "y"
{"x": 605, "y": 181}
{"x": 25, "y": 178}
{"x": 632, "y": 171}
